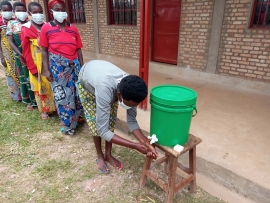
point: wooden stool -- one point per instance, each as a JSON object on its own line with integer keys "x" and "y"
{"x": 170, "y": 166}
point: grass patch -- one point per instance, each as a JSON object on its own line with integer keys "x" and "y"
{"x": 39, "y": 164}
{"x": 51, "y": 167}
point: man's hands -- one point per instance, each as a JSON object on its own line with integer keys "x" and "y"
{"x": 141, "y": 148}
{"x": 148, "y": 149}
{"x": 152, "y": 153}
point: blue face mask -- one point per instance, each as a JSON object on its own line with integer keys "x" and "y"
{"x": 123, "y": 105}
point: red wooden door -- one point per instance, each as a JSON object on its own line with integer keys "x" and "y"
{"x": 166, "y": 24}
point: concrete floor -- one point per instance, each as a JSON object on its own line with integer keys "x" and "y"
{"x": 233, "y": 124}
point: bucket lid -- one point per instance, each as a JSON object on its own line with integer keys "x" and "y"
{"x": 173, "y": 95}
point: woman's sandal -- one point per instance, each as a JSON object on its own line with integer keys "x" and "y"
{"x": 68, "y": 132}
{"x": 103, "y": 168}
{"x": 117, "y": 168}
{"x": 44, "y": 116}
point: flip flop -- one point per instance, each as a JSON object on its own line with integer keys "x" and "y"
{"x": 120, "y": 167}
{"x": 69, "y": 132}
{"x": 103, "y": 168}
{"x": 117, "y": 168}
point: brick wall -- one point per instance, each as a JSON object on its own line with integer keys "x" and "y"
{"x": 118, "y": 40}
{"x": 243, "y": 52}
{"x": 195, "y": 30}
{"x": 86, "y": 30}
{"x": 41, "y": 2}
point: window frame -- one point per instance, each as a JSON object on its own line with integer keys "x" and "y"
{"x": 12, "y": 1}
{"x": 255, "y": 4}
{"x": 68, "y": 9}
{"x": 70, "y": 13}
{"x": 110, "y": 13}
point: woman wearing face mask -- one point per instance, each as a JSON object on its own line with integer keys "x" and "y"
{"x": 100, "y": 92}
{"x": 13, "y": 34}
{"x": 32, "y": 55}
{"x": 61, "y": 46}
{"x": 6, "y": 53}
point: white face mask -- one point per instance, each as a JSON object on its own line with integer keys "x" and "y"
{"x": 123, "y": 105}
{"x": 7, "y": 14}
{"x": 21, "y": 15}
{"x": 38, "y": 18}
{"x": 59, "y": 16}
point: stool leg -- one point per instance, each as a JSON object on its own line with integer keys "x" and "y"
{"x": 146, "y": 166}
{"x": 171, "y": 178}
{"x": 166, "y": 164}
{"x": 192, "y": 168}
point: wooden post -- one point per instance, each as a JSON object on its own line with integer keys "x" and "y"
{"x": 145, "y": 10}
{"x": 146, "y": 167}
{"x": 171, "y": 178}
{"x": 192, "y": 168}
{"x": 166, "y": 164}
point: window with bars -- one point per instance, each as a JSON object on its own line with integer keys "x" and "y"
{"x": 76, "y": 11}
{"x": 261, "y": 14}
{"x": 13, "y": 1}
{"x": 122, "y": 12}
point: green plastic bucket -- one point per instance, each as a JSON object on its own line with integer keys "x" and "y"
{"x": 172, "y": 108}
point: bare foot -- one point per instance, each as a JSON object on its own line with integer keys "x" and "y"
{"x": 29, "y": 107}
{"x": 102, "y": 166}
{"x": 44, "y": 116}
{"x": 113, "y": 161}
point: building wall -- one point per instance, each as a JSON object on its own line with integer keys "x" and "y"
{"x": 243, "y": 52}
{"x": 195, "y": 30}
{"x": 118, "y": 40}
{"x": 86, "y": 30}
{"x": 41, "y": 2}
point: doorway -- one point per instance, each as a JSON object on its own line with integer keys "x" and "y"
{"x": 166, "y": 26}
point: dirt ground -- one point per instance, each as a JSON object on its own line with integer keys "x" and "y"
{"x": 39, "y": 164}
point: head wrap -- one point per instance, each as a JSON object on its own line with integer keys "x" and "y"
{"x": 51, "y": 3}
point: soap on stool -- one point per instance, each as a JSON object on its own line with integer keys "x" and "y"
{"x": 178, "y": 148}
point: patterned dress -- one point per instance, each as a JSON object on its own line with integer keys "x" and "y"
{"x": 10, "y": 70}
{"x": 28, "y": 97}
{"x": 32, "y": 54}
{"x": 88, "y": 100}
{"x": 65, "y": 73}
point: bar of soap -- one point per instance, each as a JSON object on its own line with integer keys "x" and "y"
{"x": 178, "y": 148}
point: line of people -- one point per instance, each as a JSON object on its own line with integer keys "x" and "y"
{"x": 42, "y": 60}
{"x": 42, "y": 63}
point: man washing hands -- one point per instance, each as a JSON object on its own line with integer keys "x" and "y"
{"x": 102, "y": 87}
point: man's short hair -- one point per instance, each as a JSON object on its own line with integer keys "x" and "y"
{"x": 132, "y": 87}
{"x": 18, "y": 3}
{"x": 33, "y": 3}
{"x": 5, "y": 3}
